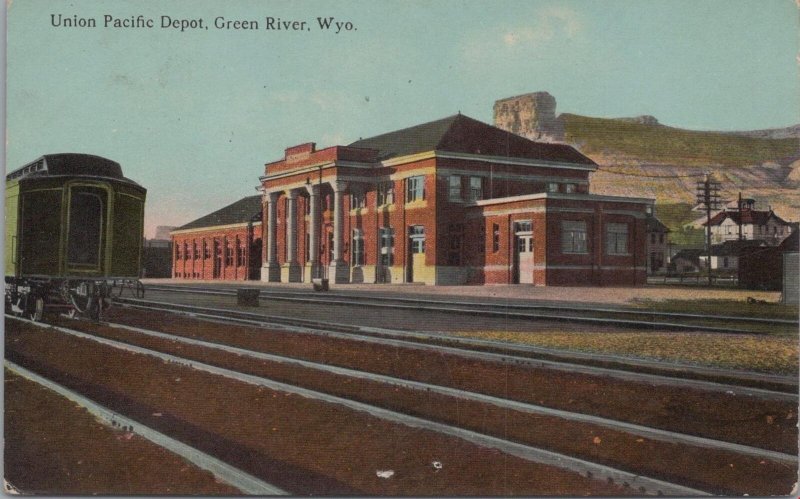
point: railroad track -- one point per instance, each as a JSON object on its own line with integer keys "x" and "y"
{"x": 669, "y": 373}
{"x": 631, "y": 478}
{"x": 561, "y": 312}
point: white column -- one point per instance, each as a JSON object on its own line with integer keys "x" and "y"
{"x": 270, "y": 270}
{"x": 291, "y": 271}
{"x": 339, "y": 271}
{"x": 291, "y": 226}
{"x": 314, "y": 230}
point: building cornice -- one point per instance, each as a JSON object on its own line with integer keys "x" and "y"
{"x": 214, "y": 228}
{"x": 564, "y": 196}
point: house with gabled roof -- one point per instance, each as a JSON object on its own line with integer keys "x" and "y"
{"x": 755, "y": 224}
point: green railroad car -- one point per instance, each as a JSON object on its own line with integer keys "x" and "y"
{"x": 74, "y": 232}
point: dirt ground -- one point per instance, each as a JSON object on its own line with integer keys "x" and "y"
{"x": 301, "y": 445}
{"x": 54, "y": 447}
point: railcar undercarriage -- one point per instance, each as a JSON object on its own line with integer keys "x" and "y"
{"x": 90, "y": 298}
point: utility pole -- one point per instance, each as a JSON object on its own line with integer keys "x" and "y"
{"x": 740, "y": 216}
{"x": 708, "y": 195}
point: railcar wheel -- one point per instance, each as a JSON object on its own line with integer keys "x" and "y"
{"x": 35, "y": 307}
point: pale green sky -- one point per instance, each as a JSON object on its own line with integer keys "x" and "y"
{"x": 194, "y": 115}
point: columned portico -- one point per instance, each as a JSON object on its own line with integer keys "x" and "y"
{"x": 313, "y": 267}
{"x": 271, "y": 270}
{"x": 339, "y": 271}
{"x": 291, "y": 271}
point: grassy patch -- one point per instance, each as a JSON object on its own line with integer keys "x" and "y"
{"x": 766, "y": 354}
{"x": 734, "y": 308}
{"x": 659, "y": 143}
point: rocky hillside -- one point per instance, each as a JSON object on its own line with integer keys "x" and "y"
{"x": 640, "y": 157}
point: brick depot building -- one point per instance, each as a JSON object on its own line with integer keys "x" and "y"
{"x": 453, "y": 201}
{"x": 225, "y": 244}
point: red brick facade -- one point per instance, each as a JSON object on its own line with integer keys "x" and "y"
{"x": 225, "y": 253}
{"x": 454, "y": 201}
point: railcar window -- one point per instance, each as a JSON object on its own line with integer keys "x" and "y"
{"x": 86, "y": 221}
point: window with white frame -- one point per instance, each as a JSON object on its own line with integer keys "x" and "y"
{"x": 386, "y": 235}
{"x": 552, "y": 187}
{"x": 415, "y": 189}
{"x": 357, "y": 200}
{"x": 417, "y": 235}
{"x": 573, "y": 237}
{"x": 475, "y": 188}
{"x": 358, "y": 248}
{"x": 495, "y": 238}
{"x": 385, "y": 193}
{"x": 616, "y": 239}
{"x": 569, "y": 188}
{"x": 454, "y": 188}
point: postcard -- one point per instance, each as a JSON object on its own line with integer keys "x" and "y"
{"x": 417, "y": 248}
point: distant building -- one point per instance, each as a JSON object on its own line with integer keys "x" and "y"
{"x": 790, "y": 287}
{"x": 725, "y": 256}
{"x": 657, "y": 246}
{"x": 769, "y": 267}
{"x": 755, "y": 224}
{"x": 225, "y": 244}
{"x": 686, "y": 261}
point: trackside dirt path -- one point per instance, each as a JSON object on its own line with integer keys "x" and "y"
{"x": 746, "y": 420}
{"x": 300, "y": 445}
{"x": 716, "y": 471}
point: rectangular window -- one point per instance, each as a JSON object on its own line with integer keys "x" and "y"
{"x": 454, "y": 188}
{"x": 240, "y": 253}
{"x": 523, "y": 226}
{"x": 495, "y": 238}
{"x": 417, "y": 235}
{"x": 206, "y": 250}
{"x": 569, "y": 188}
{"x": 228, "y": 255}
{"x": 456, "y": 235}
{"x": 194, "y": 250}
{"x": 573, "y": 237}
{"x": 475, "y": 188}
{"x": 177, "y": 251}
{"x": 385, "y": 193}
{"x": 552, "y": 187}
{"x": 358, "y": 248}
{"x": 357, "y": 200}
{"x": 387, "y": 246}
{"x": 616, "y": 239}
{"x": 415, "y": 189}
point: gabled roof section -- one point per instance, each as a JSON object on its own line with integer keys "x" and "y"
{"x": 462, "y": 134}
{"x": 749, "y": 217}
{"x": 656, "y": 225}
{"x": 691, "y": 254}
{"x": 245, "y": 210}
{"x": 733, "y": 248}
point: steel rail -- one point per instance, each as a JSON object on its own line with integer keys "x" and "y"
{"x": 639, "y": 430}
{"x": 388, "y": 337}
{"x": 233, "y": 476}
{"x": 265, "y": 293}
{"x": 534, "y": 454}
{"x": 673, "y": 326}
